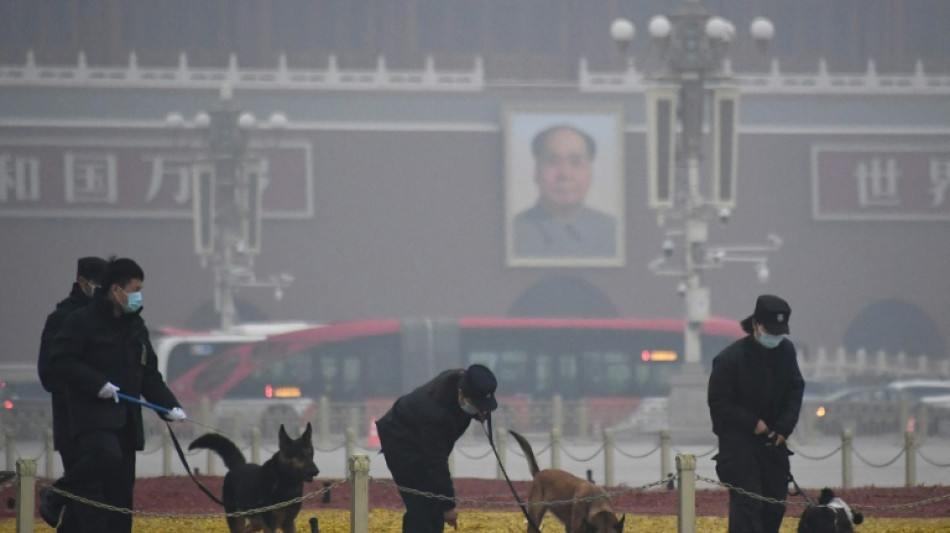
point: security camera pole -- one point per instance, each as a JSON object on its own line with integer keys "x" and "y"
{"x": 228, "y": 185}
{"x": 692, "y": 46}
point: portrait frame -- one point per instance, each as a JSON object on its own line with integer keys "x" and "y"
{"x": 606, "y": 195}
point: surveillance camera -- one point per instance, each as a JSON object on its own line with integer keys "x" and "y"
{"x": 774, "y": 240}
{"x": 668, "y": 248}
{"x": 724, "y": 215}
{"x": 681, "y": 288}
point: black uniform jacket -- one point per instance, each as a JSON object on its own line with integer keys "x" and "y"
{"x": 750, "y": 382}
{"x": 54, "y": 321}
{"x": 96, "y": 347}
{"x": 421, "y": 429}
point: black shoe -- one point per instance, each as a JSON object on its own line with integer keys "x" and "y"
{"x": 51, "y": 507}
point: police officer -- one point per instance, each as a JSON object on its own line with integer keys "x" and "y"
{"x": 89, "y": 272}
{"x": 755, "y": 395}
{"x": 419, "y": 432}
{"x": 102, "y": 349}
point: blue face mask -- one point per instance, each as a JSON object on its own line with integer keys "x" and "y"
{"x": 770, "y": 341}
{"x": 133, "y": 301}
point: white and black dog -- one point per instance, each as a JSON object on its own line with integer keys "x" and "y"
{"x": 831, "y": 515}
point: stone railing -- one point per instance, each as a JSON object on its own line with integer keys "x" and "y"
{"x": 429, "y": 78}
{"x": 841, "y": 364}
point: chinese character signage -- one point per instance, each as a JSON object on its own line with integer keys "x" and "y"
{"x": 880, "y": 182}
{"x": 99, "y": 178}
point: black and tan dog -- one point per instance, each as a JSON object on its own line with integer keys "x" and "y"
{"x": 831, "y": 515}
{"x": 249, "y": 486}
{"x": 587, "y": 508}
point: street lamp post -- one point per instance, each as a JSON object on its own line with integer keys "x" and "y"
{"x": 228, "y": 183}
{"x": 692, "y": 43}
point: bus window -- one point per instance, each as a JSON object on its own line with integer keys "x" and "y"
{"x": 186, "y": 355}
{"x": 351, "y": 388}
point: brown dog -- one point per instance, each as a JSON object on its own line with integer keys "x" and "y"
{"x": 586, "y": 507}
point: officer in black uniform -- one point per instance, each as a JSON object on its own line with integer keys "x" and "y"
{"x": 418, "y": 433}
{"x": 755, "y": 395}
{"x": 89, "y": 272}
{"x": 102, "y": 349}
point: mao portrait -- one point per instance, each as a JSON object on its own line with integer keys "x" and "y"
{"x": 564, "y": 189}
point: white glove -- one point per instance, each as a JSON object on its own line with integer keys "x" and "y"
{"x": 109, "y": 391}
{"x": 176, "y": 414}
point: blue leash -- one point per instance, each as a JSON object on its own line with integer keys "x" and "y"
{"x": 143, "y": 403}
{"x": 178, "y": 450}
{"x": 159, "y": 409}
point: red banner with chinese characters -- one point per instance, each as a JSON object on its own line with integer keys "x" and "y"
{"x": 880, "y": 182}
{"x": 103, "y": 178}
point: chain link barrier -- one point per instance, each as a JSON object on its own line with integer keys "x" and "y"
{"x": 817, "y": 457}
{"x": 930, "y": 461}
{"x": 635, "y": 456}
{"x": 473, "y": 457}
{"x": 877, "y": 465}
{"x": 249, "y": 512}
{"x": 750, "y": 494}
{"x": 584, "y": 460}
{"x": 489, "y": 503}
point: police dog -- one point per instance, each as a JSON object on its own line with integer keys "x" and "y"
{"x": 249, "y": 486}
{"x": 587, "y": 507}
{"x": 831, "y": 515}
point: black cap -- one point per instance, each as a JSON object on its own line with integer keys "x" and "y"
{"x": 91, "y": 268}
{"x": 770, "y": 311}
{"x": 478, "y": 384}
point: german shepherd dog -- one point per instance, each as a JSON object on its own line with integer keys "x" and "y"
{"x": 249, "y": 486}
{"x": 587, "y": 507}
{"x": 831, "y": 515}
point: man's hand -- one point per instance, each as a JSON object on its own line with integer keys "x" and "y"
{"x": 109, "y": 391}
{"x": 176, "y": 414}
{"x": 761, "y": 428}
{"x": 777, "y": 439}
{"x": 451, "y": 517}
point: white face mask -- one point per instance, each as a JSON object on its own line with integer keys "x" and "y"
{"x": 468, "y": 407}
{"x": 770, "y": 341}
{"x": 92, "y": 289}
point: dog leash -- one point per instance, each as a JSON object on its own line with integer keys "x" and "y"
{"x": 791, "y": 478}
{"x": 181, "y": 453}
{"x": 159, "y": 409}
{"x": 521, "y": 505}
{"x": 184, "y": 462}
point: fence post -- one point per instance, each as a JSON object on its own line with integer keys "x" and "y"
{"x": 665, "y": 453}
{"x": 359, "y": 509}
{"x": 846, "y": 459}
{"x": 557, "y": 411}
{"x": 910, "y": 459}
{"x": 583, "y": 431}
{"x": 501, "y": 444}
{"x": 556, "y": 447}
{"x": 25, "y": 501}
{"x": 349, "y": 444}
{"x": 608, "y": 457}
{"x": 48, "y": 463}
{"x": 686, "y": 515}
{"x": 256, "y": 445}
{"x": 323, "y": 421}
{"x": 166, "y": 453}
{"x": 10, "y": 450}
